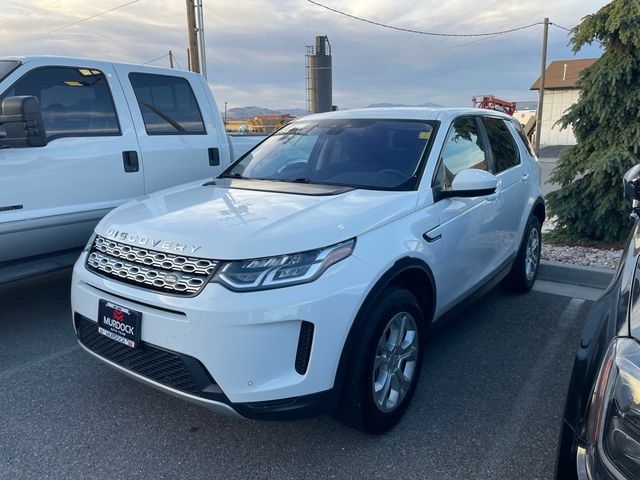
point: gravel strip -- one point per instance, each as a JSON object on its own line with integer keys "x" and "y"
{"x": 586, "y": 256}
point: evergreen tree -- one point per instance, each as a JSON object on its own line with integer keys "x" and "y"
{"x": 606, "y": 123}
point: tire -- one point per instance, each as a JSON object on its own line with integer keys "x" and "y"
{"x": 525, "y": 267}
{"x": 373, "y": 397}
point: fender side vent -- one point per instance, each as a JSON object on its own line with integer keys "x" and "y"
{"x": 304, "y": 347}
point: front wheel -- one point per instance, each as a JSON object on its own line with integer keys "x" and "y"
{"x": 385, "y": 368}
{"x": 525, "y": 267}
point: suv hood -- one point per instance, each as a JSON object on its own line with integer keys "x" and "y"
{"x": 227, "y": 223}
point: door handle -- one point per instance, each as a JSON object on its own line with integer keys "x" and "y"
{"x": 525, "y": 177}
{"x": 214, "y": 157}
{"x": 130, "y": 161}
{"x": 493, "y": 197}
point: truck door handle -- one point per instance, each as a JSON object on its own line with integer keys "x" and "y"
{"x": 130, "y": 161}
{"x": 525, "y": 177}
{"x": 214, "y": 157}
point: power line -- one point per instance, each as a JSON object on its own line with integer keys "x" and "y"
{"x": 31, "y": 12}
{"x": 156, "y": 59}
{"x": 560, "y": 26}
{"x": 420, "y": 32}
{"x": 82, "y": 20}
{"x": 161, "y": 57}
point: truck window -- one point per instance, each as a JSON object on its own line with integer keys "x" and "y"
{"x": 75, "y": 102}
{"x": 167, "y": 104}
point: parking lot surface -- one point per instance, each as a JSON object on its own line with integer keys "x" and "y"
{"x": 488, "y": 405}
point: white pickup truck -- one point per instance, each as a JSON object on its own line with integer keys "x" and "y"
{"x": 79, "y": 137}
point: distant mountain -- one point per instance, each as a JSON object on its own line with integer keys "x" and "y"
{"x": 249, "y": 112}
{"x": 389, "y": 105}
{"x": 296, "y": 112}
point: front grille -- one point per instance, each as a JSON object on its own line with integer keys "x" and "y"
{"x": 162, "y": 366}
{"x": 159, "y": 271}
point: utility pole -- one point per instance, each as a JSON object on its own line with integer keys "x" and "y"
{"x": 192, "y": 32}
{"x": 170, "y": 58}
{"x": 200, "y": 30}
{"x": 543, "y": 71}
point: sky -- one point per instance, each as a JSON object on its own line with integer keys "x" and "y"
{"x": 255, "y": 48}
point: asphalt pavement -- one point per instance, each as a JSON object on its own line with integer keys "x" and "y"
{"x": 488, "y": 405}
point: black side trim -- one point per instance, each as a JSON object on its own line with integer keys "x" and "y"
{"x": 11, "y": 207}
{"x": 296, "y": 408}
{"x": 431, "y": 239}
{"x": 489, "y": 284}
{"x": 465, "y": 193}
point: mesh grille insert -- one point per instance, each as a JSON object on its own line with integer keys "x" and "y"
{"x": 162, "y": 366}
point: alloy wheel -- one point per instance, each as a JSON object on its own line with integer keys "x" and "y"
{"x": 395, "y": 362}
{"x": 532, "y": 253}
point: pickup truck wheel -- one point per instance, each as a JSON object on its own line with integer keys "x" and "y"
{"x": 525, "y": 267}
{"x": 386, "y": 366}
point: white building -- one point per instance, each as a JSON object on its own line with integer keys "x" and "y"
{"x": 560, "y": 92}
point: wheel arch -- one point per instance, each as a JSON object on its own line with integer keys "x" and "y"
{"x": 408, "y": 272}
{"x": 539, "y": 210}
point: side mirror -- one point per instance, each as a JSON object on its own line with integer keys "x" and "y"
{"x": 631, "y": 183}
{"x": 22, "y": 120}
{"x": 471, "y": 183}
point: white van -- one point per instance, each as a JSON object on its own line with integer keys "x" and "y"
{"x": 96, "y": 135}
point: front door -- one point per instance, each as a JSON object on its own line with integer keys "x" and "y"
{"x": 467, "y": 224}
{"x": 51, "y": 197}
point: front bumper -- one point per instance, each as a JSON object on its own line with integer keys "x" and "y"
{"x": 245, "y": 342}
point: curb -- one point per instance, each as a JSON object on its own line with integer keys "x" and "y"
{"x": 559, "y": 272}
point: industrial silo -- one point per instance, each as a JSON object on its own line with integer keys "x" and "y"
{"x": 319, "y": 79}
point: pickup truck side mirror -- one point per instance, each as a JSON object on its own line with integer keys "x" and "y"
{"x": 631, "y": 183}
{"x": 22, "y": 120}
{"x": 471, "y": 182}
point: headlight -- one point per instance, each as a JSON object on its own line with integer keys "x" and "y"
{"x": 89, "y": 244}
{"x": 614, "y": 417}
{"x": 281, "y": 271}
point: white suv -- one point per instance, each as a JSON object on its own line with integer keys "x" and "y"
{"x": 303, "y": 279}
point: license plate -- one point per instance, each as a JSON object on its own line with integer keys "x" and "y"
{"x": 119, "y": 323}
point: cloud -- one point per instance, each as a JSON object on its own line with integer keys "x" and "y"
{"x": 255, "y": 48}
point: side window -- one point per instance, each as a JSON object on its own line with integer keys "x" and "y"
{"x": 75, "y": 102}
{"x": 503, "y": 146}
{"x": 463, "y": 149}
{"x": 524, "y": 138}
{"x": 167, "y": 104}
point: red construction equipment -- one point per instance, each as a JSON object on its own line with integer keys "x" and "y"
{"x": 490, "y": 102}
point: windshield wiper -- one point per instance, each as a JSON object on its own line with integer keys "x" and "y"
{"x": 234, "y": 175}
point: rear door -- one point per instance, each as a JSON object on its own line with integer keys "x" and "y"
{"x": 512, "y": 200}
{"x": 51, "y": 197}
{"x": 181, "y": 136}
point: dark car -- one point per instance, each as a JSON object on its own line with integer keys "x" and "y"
{"x": 600, "y": 437}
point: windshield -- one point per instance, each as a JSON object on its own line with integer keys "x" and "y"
{"x": 363, "y": 153}
{"x": 6, "y": 67}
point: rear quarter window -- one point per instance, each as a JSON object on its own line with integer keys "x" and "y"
{"x": 503, "y": 145}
